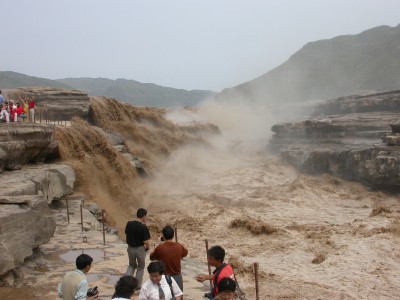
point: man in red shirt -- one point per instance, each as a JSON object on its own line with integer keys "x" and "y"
{"x": 170, "y": 254}
{"x": 31, "y": 104}
{"x": 215, "y": 257}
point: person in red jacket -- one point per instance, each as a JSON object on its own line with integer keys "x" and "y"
{"x": 13, "y": 112}
{"x": 20, "y": 112}
{"x": 31, "y": 104}
{"x": 215, "y": 258}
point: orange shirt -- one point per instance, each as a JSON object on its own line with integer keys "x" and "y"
{"x": 224, "y": 270}
{"x": 170, "y": 254}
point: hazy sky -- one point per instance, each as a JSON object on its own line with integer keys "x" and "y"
{"x": 189, "y": 44}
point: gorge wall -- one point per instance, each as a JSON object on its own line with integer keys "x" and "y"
{"x": 53, "y": 103}
{"x": 110, "y": 147}
{"x": 27, "y": 189}
{"x": 350, "y": 137}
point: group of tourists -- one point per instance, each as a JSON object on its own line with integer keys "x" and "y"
{"x": 165, "y": 276}
{"x": 12, "y": 111}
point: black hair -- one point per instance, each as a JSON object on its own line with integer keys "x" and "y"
{"x": 141, "y": 212}
{"x": 226, "y": 284}
{"x": 156, "y": 267}
{"x": 82, "y": 261}
{"x": 125, "y": 287}
{"x": 168, "y": 232}
{"x": 217, "y": 252}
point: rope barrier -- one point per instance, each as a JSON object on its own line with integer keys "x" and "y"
{"x": 240, "y": 293}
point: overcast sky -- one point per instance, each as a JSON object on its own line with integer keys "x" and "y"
{"x": 189, "y": 44}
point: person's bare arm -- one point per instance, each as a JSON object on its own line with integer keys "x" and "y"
{"x": 203, "y": 277}
{"x": 147, "y": 245}
{"x": 179, "y": 297}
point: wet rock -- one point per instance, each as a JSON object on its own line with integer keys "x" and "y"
{"x": 113, "y": 138}
{"x": 395, "y": 127}
{"x": 52, "y": 181}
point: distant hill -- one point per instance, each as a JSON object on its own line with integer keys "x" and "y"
{"x": 12, "y": 80}
{"x": 136, "y": 93}
{"x": 130, "y": 91}
{"x": 325, "y": 69}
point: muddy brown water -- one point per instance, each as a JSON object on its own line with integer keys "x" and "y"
{"x": 331, "y": 240}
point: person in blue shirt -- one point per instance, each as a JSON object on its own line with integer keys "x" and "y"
{"x": 1, "y": 99}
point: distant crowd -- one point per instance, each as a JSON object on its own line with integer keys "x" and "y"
{"x": 17, "y": 111}
{"x": 165, "y": 275}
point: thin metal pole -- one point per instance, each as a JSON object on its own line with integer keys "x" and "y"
{"x": 66, "y": 200}
{"x": 176, "y": 235}
{"x": 209, "y": 267}
{"x": 255, "y": 266}
{"x": 81, "y": 218}
{"x": 104, "y": 232}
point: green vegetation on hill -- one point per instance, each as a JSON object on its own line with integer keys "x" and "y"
{"x": 12, "y": 80}
{"x": 325, "y": 69}
{"x": 136, "y": 93}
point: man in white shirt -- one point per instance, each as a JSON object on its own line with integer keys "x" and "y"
{"x": 157, "y": 286}
{"x": 4, "y": 115}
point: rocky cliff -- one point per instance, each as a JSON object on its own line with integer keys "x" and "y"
{"x": 24, "y": 143}
{"x": 25, "y": 219}
{"x": 54, "y": 103}
{"x": 350, "y": 137}
{"x": 108, "y": 159}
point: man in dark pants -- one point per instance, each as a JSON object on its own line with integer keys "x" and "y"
{"x": 138, "y": 240}
{"x": 170, "y": 254}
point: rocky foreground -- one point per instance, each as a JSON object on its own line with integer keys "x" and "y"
{"x": 355, "y": 137}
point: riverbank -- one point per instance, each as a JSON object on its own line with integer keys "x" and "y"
{"x": 40, "y": 275}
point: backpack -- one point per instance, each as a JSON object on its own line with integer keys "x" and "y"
{"x": 239, "y": 293}
{"x": 169, "y": 281}
{"x": 215, "y": 280}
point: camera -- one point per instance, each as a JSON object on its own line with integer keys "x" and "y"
{"x": 92, "y": 292}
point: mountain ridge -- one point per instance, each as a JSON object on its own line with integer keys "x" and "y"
{"x": 329, "y": 68}
{"x": 126, "y": 90}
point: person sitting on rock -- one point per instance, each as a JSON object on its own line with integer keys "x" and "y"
{"x": 226, "y": 289}
{"x": 4, "y": 116}
{"x": 74, "y": 285}
{"x": 20, "y": 112}
{"x": 215, "y": 258}
{"x": 125, "y": 288}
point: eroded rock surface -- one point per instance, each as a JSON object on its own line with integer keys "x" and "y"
{"x": 25, "y": 218}
{"x": 350, "y": 137}
{"x": 26, "y": 143}
{"x": 55, "y": 104}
